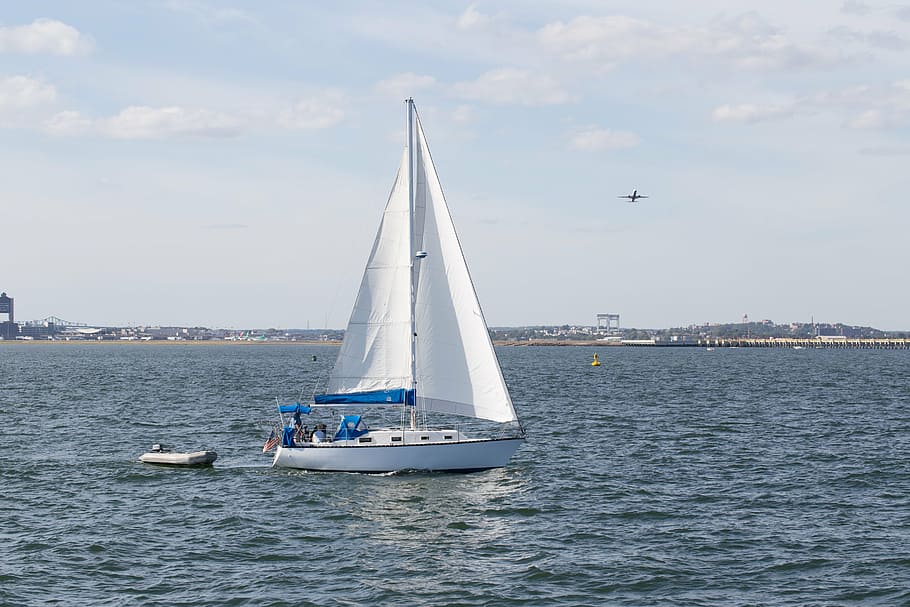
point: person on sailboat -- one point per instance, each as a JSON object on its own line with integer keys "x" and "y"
{"x": 319, "y": 433}
{"x": 296, "y": 426}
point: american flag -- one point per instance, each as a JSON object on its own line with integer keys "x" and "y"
{"x": 271, "y": 442}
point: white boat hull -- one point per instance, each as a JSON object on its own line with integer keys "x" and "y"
{"x": 196, "y": 458}
{"x": 463, "y": 456}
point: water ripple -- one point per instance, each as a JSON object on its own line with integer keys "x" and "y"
{"x": 664, "y": 478}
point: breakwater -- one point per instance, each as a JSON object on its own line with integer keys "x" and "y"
{"x": 782, "y": 342}
{"x": 729, "y": 342}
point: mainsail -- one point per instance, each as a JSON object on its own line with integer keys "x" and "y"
{"x": 375, "y": 355}
{"x": 456, "y": 367}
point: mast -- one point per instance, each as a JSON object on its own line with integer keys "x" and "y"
{"x": 411, "y": 252}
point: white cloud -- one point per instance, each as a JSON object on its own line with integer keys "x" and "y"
{"x": 471, "y": 18}
{"x": 855, "y": 7}
{"x": 169, "y": 121}
{"x": 210, "y": 15}
{"x": 870, "y": 119}
{"x": 871, "y": 107}
{"x": 143, "y": 122}
{"x": 859, "y": 107}
{"x": 742, "y": 42}
{"x": 749, "y": 42}
{"x": 777, "y": 53}
{"x": 463, "y": 114}
{"x": 887, "y": 150}
{"x": 22, "y": 92}
{"x": 45, "y": 36}
{"x": 513, "y": 86}
{"x": 68, "y": 123}
{"x": 596, "y": 138}
{"x": 891, "y": 116}
{"x": 606, "y": 39}
{"x": 887, "y": 40}
{"x": 750, "y": 112}
{"x": 313, "y": 112}
{"x": 403, "y": 85}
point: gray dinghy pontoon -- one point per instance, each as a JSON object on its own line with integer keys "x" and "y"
{"x": 158, "y": 455}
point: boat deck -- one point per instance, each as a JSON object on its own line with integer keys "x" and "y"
{"x": 394, "y": 437}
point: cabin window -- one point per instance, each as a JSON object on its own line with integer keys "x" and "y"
{"x": 396, "y": 439}
{"x": 365, "y": 439}
{"x": 448, "y": 437}
{"x": 424, "y": 438}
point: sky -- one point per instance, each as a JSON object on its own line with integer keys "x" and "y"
{"x": 225, "y": 164}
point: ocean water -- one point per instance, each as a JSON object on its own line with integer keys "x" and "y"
{"x": 664, "y": 477}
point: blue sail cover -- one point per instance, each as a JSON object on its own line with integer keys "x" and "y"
{"x": 287, "y": 437}
{"x": 374, "y": 397}
{"x": 295, "y": 408}
{"x": 350, "y": 427}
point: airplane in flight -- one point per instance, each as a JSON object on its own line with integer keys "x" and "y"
{"x": 633, "y": 196}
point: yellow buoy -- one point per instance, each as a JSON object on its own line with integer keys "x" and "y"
{"x": 596, "y": 362}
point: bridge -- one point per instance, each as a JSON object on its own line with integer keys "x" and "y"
{"x": 55, "y": 321}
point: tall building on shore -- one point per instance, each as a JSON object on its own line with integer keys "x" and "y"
{"x": 8, "y": 327}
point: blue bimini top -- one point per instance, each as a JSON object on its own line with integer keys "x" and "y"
{"x": 351, "y": 426}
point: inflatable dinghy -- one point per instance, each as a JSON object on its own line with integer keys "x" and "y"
{"x": 158, "y": 455}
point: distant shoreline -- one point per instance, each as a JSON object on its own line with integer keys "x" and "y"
{"x": 167, "y": 342}
{"x": 229, "y": 342}
{"x": 831, "y": 343}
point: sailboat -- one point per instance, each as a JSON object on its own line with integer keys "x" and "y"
{"x": 416, "y": 340}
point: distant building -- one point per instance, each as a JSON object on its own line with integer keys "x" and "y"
{"x": 838, "y": 331}
{"x": 8, "y": 327}
{"x": 42, "y": 330}
{"x": 608, "y": 322}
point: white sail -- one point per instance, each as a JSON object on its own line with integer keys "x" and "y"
{"x": 457, "y": 369}
{"x": 376, "y": 351}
